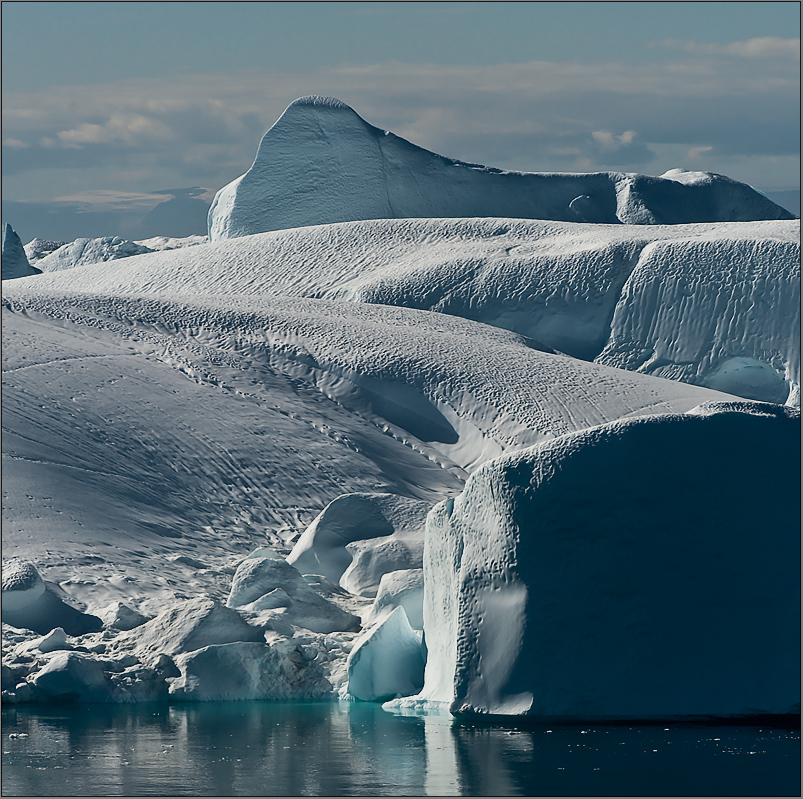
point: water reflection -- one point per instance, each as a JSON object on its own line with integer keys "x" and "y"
{"x": 340, "y": 749}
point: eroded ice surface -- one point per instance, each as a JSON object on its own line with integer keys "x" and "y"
{"x": 643, "y": 569}
{"x": 357, "y": 538}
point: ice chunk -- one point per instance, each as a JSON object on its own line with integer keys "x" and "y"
{"x": 37, "y": 248}
{"x": 642, "y": 569}
{"x": 74, "y": 676}
{"x": 388, "y": 661}
{"x": 322, "y": 163}
{"x": 268, "y": 581}
{"x": 359, "y": 537}
{"x": 187, "y": 626}
{"x": 400, "y": 589}
{"x": 119, "y": 616}
{"x": 22, "y": 584}
{"x": 90, "y": 251}
{"x": 40, "y": 605}
{"x": 54, "y": 640}
{"x": 249, "y": 671}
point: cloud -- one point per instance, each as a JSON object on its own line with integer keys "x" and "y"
{"x": 109, "y": 200}
{"x": 695, "y": 153}
{"x": 141, "y": 135}
{"x": 760, "y": 47}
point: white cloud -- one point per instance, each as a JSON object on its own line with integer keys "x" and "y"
{"x": 109, "y": 200}
{"x": 204, "y": 129}
{"x": 760, "y": 47}
{"x": 695, "y": 153}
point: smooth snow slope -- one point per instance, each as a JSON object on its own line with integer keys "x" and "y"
{"x": 142, "y": 436}
{"x": 643, "y": 569}
{"x": 321, "y": 163}
{"x": 715, "y": 305}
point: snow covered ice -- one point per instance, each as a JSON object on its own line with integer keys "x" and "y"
{"x": 618, "y": 294}
{"x": 357, "y": 538}
{"x": 402, "y": 428}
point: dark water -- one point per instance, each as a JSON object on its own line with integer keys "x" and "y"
{"x": 341, "y": 749}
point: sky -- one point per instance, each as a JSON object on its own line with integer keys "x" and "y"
{"x": 110, "y": 109}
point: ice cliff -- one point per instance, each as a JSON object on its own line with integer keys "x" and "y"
{"x": 643, "y": 569}
{"x": 322, "y": 163}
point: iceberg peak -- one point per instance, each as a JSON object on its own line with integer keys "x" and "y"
{"x": 322, "y": 163}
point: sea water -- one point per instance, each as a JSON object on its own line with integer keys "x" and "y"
{"x": 354, "y": 748}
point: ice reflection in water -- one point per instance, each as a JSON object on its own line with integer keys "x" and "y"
{"x": 341, "y": 749}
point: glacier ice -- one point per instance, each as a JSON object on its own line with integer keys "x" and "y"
{"x": 387, "y": 661}
{"x": 717, "y": 313}
{"x": 642, "y": 569}
{"x": 322, "y": 163}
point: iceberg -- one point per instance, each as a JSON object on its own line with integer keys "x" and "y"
{"x": 14, "y": 260}
{"x": 322, "y": 163}
{"x": 89, "y": 251}
{"x": 642, "y": 569}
